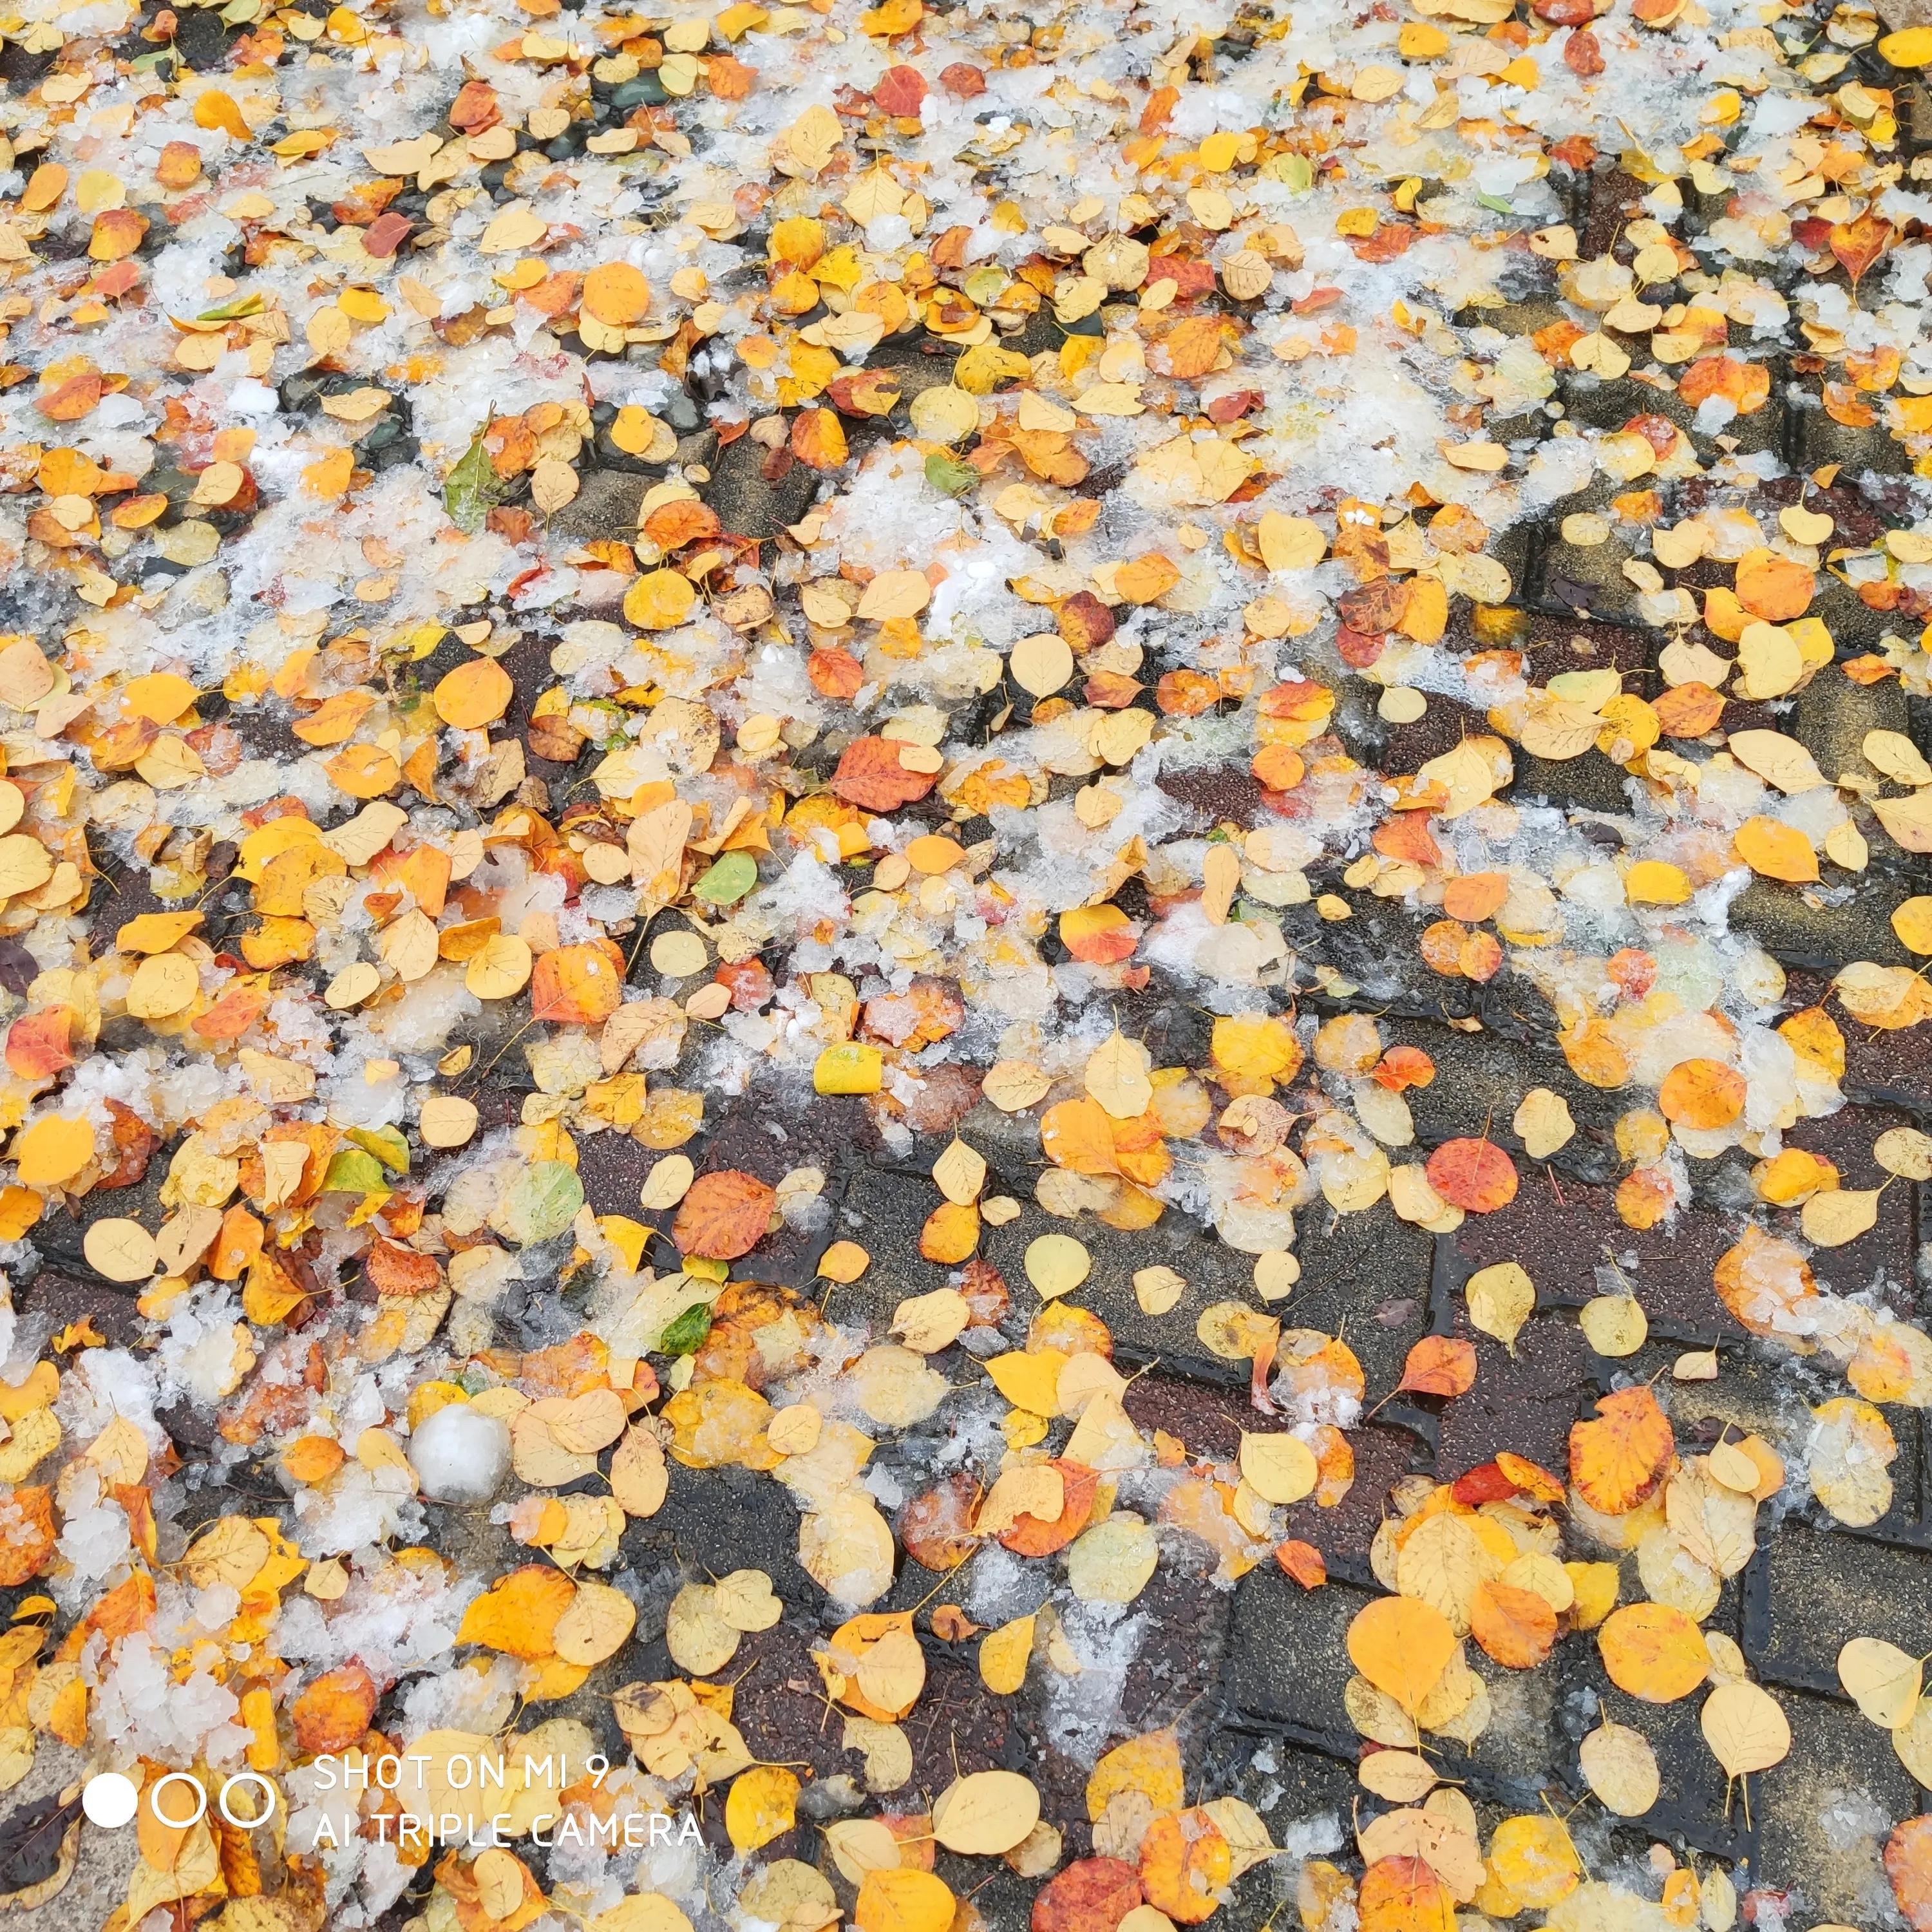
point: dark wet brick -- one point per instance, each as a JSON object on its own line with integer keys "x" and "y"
{"x": 1819, "y": 440}
{"x": 1480, "y": 1080}
{"x": 1344, "y": 1534}
{"x": 1524, "y": 1402}
{"x": 1833, "y": 715}
{"x": 719, "y": 1520}
{"x": 1690, "y": 1801}
{"x": 1884, "y": 1257}
{"x": 1563, "y": 1231}
{"x": 1798, "y": 929}
{"x": 1287, "y": 1666}
{"x": 1891, "y": 1068}
{"x": 1809, "y": 1591}
{"x": 1822, "y": 1815}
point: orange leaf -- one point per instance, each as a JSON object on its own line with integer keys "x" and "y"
{"x": 1403, "y": 1894}
{"x": 214, "y": 109}
{"x": 834, "y": 672}
{"x": 1653, "y": 1652}
{"x": 394, "y": 1270}
{"x": 1474, "y": 1175}
{"x": 1403, "y": 1067}
{"x": 234, "y": 1012}
{"x": 1030, "y": 1537}
{"x": 1774, "y": 587}
{"x": 1401, "y": 1646}
{"x": 1776, "y": 850}
{"x": 1303, "y": 1562}
{"x": 1079, "y": 1135}
{"x": 1688, "y": 710}
{"x": 576, "y": 986}
{"x": 518, "y": 1614}
{"x": 1859, "y": 244}
{"x": 1532, "y": 1478}
{"x": 1515, "y": 1627}
{"x": 1701, "y": 1093}
{"x": 724, "y": 1215}
{"x": 1185, "y": 1864}
{"x": 1191, "y": 348}
{"x": 1101, "y": 935}
{"x": 684, "y": 520}
{"x": 473, "y": 694}
{"x": 1439, "y": 1365}
{"x": 37, "y": 1043}
{"x": 1474, "y": 896}
{"x": 334, "y": 1710}
{"x": 818, "y": 439}
{"x": 1766, "y": 1283}
{"x": 1278, "y": 767}
{"x": 26, "y": 1534}
{"x": 117, "y": 233}
{"x": 1617, "y": 1459}
{"x": 1745, "y": 386}
{"x": 1908, "y": 1863}
{"x": 951, "y": 1233}
{"x": 617, "y": 295}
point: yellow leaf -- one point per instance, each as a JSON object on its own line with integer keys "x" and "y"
{"x": 762, "y": 1805}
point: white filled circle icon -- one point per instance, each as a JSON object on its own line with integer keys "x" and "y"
{"x": 108, "y": 1799}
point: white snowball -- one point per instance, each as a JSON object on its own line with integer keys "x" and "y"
{"x": 460, "y": 1456}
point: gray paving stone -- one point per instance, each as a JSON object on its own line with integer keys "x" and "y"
{"x": 1808, "y": 1593}
{"x": 1822, "y": 1816}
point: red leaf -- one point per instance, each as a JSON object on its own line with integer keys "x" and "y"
{"x": 900, "y": 92}
{"x": 870, "y": 775}
{"x": 1476, "y": 1176}
{"x": 1485, "y": 1484}
{"x": 1090, "y": 1895}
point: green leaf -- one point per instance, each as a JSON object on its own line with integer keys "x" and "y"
{"x": 472, "y": 489}
{"x": 353, "y": 1171}
{"x": 233, "y": 311}
{"x": 540, "y": 1205}
{"x": 1497, "y": 204}
{"x": 386, "y": 1143}
{"x": 949, "y": 476}
{"x": 734, "y": 875}
{"x": 686, "y": 1336}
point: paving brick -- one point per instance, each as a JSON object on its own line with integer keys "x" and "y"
{"x": 1524, "y": 1401}
{"x": 1882, "y": 1261}
{"x": 1819, "y": 440}
{"x": 1344, "y": 1534}
{"x": 1481, "y": 1078}
{"x": 1798, "y": 929}
{"x": 1690, "y": 1802}
{"x": 1889, "y": 1069}
{"x": 1822, "y": 1815}
{"x": 1563, "y": 1232}
{"x": 1807, "y": 1592}
{"x": 1833, "y": 715}
{"x": 1287, "y": 1666}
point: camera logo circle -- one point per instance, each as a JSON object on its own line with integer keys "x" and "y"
{"x": 110, "y": 1799}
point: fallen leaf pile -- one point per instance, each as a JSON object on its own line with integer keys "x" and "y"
{"x": 1191, "y": 643}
